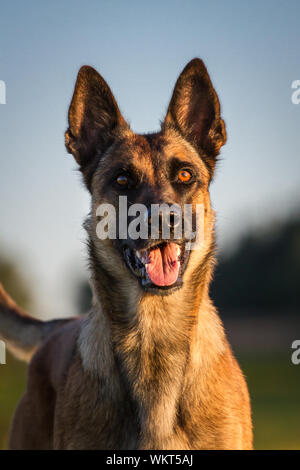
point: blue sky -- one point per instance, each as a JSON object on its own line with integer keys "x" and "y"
{"x": 251, "y": 50}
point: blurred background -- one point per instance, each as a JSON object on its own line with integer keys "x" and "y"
{"x": 251, "y": 52}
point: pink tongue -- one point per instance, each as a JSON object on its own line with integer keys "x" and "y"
{"x": 163, "y": 265}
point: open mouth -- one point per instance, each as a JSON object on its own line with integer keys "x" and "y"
{"x": 159, "y": 267}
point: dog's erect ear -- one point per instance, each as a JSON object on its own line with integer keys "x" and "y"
{"x": 194, "y": 110}
{"x": 94, "y": 118}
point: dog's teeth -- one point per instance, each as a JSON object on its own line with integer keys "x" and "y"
{"x": 141, "y": 256}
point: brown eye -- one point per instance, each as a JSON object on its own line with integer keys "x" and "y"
{"x": 122, "y": 180}
{"x": 184, "y": 176}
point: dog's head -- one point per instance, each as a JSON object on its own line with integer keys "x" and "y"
{"x": 173, "y": 167}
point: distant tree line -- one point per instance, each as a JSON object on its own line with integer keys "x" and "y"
{"x": 263, "y": 272}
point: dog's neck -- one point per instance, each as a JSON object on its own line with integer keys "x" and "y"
{"x": 146, "y": 342}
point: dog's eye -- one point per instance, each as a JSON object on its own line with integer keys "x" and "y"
{"x": 122, "y": 180}
{"x": 184, "y": 176}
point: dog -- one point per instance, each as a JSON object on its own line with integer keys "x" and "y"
{"x": 149, "y": 367}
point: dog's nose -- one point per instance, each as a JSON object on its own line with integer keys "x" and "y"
{"x": 174, "y": 220}
{"x": 171, "y": 219}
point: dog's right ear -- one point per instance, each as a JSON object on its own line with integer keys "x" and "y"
{"x": 94, "y": 120}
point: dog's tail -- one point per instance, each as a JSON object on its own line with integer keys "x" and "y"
{"x": 21, "y": 333}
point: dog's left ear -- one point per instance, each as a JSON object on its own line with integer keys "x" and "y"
{"x": 94, "y": 120}
{"x": 194, "y": 110}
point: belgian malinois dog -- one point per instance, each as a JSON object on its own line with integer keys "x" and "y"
{"x": 149, "y": 367}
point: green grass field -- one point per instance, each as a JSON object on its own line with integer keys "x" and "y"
{"x": 274, "y": 384}
{"x": 12, "y": 386}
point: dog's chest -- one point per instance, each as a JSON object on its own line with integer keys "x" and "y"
{"x": 92, "y": 413}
